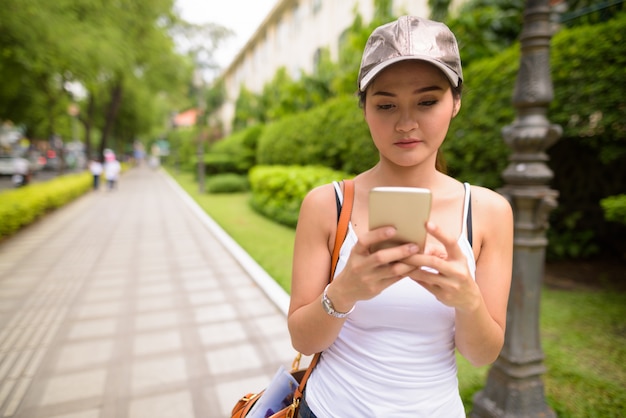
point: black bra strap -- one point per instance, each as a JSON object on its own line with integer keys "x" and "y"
{"x": 469, "y": 221}
{"x": 338, "y": 203}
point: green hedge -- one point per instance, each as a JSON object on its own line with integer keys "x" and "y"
{"x": 474, "y": 149}
{"x": 21, "y": 207}
{"x": 234, "y": 154}
{"x": 333, "y": 135}
{"x": 227, "y": 183}
{"x": 278, "y": 191}
{"x": 614, "y": 208}
{"x": 590, "y": 102}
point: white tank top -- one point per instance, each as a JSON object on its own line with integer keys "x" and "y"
{"x": 394, "y": 356}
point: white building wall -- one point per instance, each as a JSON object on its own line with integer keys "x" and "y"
{"x": 290, "y": 36}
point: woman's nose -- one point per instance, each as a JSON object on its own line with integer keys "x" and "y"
{"x": 406, "y": 122}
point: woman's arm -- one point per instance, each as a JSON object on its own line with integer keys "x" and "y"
{"x": 311, "y": 329}
{"x": 480, "y": 328}
{"x": 480, "y": 305}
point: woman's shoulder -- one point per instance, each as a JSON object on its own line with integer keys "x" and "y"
{"x": 489, "y": 204}
{"x": 319, "y": 203}
{"x": 320, "y": 195}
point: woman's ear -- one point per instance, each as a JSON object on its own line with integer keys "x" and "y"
{"x": 457, "y": 107}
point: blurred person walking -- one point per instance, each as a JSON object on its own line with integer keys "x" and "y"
{"x": 95, "y": 166}
{"x": 112, "y": 169}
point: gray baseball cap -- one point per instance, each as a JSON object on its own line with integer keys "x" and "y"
{"x": 411, "y": 38}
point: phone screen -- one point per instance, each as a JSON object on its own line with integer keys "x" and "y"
{"x": 405, "y": 208}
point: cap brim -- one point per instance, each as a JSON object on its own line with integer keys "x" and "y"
{"x": 367, "y": 79}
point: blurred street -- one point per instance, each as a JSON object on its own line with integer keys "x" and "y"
{"x": 133, "y": 304}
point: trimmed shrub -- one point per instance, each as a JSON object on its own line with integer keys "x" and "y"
{"x": 21, "y": 207}
{"x": 227, "y": 183}
{"x": 614, "y": 208}
{"x": 332, "y": 135}
{"x": 235, "y": 153}
{"x": 278, "y": 191}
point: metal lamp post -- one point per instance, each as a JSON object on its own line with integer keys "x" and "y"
{"x": 514, "y": 384}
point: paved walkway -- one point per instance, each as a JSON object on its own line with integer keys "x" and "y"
{"x": 133, "y": 304}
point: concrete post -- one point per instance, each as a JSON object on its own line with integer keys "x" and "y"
{"x": 514, "y": 384}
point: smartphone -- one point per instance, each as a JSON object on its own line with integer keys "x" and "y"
{"x": 405, "y": 208}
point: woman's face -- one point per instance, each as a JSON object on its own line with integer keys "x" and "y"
{"x": 408, "y": 108}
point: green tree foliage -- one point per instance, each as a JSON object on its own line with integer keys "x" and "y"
{"x": 248, "y": 110}
{"x": 483, "y": 28}
{"x": 582, "y": 12}
{"x": 122, "y": 53}
{"x": 439, "y": 9}
{"x": 183, "y": 145}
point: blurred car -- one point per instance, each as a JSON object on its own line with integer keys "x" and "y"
{"x": 18, "y": 168}
{"x": 10, "y": 165}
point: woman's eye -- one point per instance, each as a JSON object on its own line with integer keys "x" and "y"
{"x": 385, "y": 106}
{"x": 428, "y": 103}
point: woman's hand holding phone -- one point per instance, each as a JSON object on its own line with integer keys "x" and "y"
{"x": 444, "y": 272}
{"x": 367, "y": 273}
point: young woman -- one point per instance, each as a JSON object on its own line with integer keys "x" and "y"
{"x": 390, "y": 321}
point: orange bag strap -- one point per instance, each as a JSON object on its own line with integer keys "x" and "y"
{"x": 342, "y": 224}
{"x": 340, "y": 236}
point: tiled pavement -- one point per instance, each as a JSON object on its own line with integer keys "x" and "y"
{"x": 133, "y": 304}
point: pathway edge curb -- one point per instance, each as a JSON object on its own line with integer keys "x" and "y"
{"x": 267, "y": 284}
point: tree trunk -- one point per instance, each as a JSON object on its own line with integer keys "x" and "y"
{"x": 111, "y": 114}
{"x": 87, "y": 124}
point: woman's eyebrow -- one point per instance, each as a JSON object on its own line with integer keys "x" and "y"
{"x": 416, "y": 91}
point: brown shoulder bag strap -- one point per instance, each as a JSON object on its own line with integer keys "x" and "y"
{"x": 342, "y": 225}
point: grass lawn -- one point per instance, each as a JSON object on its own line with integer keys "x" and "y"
{"x": 583, "y": 330}
{"x": 269, "y": 243}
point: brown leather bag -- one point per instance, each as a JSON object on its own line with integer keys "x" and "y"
{"x": 246, "y": 403}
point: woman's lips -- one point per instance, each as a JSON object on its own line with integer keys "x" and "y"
{"x": 407, "y": 143}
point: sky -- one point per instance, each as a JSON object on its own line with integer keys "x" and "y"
{"x": 243, "y": 17}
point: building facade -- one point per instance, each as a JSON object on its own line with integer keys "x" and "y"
{"x": 292, "y": 36}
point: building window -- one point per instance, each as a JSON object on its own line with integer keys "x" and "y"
{"x": 295, "y": 18}
{"x": 316, "y": 6}
{"x": 281, "y": 33}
